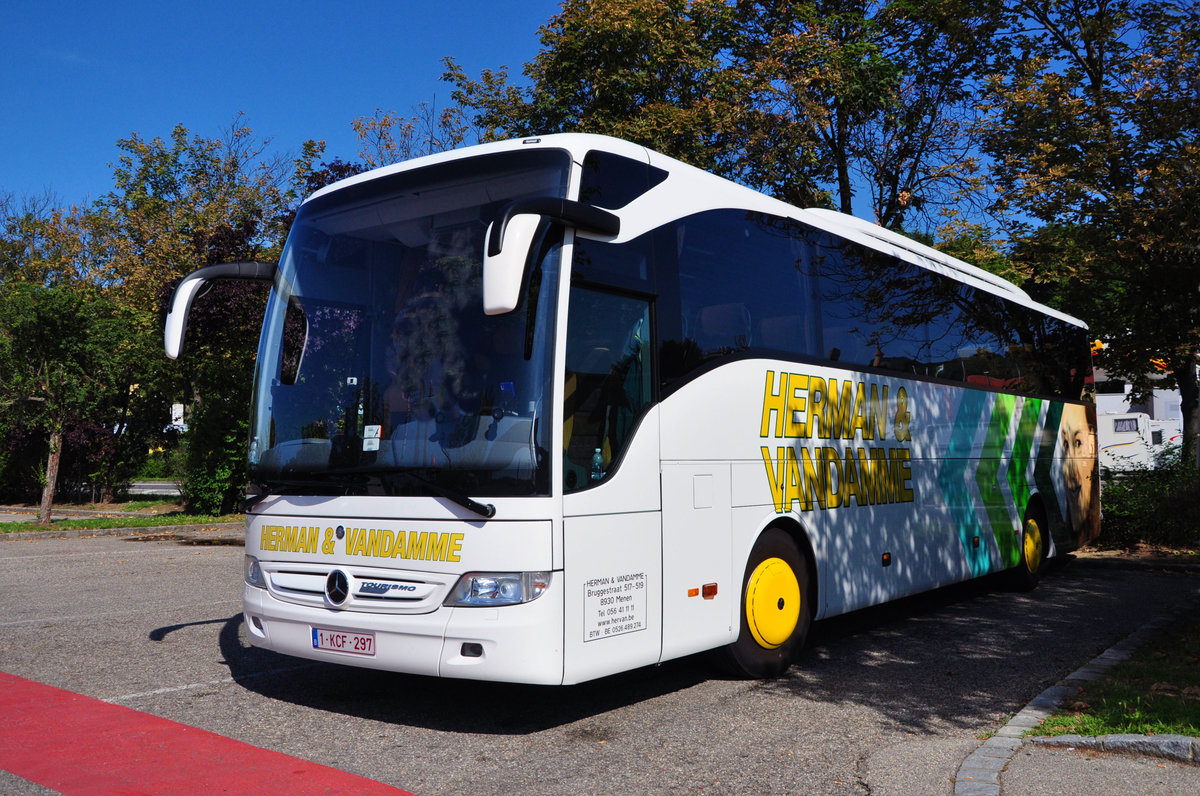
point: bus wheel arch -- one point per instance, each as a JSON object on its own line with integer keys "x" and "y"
{"x": 776, "y": 605}
{"x": 803, "y": 541}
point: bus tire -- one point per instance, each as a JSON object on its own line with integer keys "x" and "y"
{"x": 775, "y": 615}
{"x": 1032, "y": 552}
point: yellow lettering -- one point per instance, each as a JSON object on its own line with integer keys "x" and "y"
{"x": 774, "y": 402}
{"x": 902, "y": 461}
{"x": 831, "y": 464}
{"x": 839, "y": 410}
{"x": 792, "y": 490}
{"x": 902, "y": 416}
{"x": 866, "y": 478}
{"x": 437, "y": 546}
{"x": 814, "y": 486}
{"x": 877, "y": 420}
{"x": 776, "y": 476}
{"x": 796, "y": 404}
{"x": 455, "y": 548}
{"x": 818, "y": 412}
{"x": 858, "y": 422}
{"x": 850, "y": 480}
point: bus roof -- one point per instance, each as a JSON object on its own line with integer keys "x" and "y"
{"x": 689, "y": 190}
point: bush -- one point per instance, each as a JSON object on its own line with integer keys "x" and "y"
{"x": 157, "y": 465}
{"x": 214, "y": 457}
{"x": 1155, "y": 505}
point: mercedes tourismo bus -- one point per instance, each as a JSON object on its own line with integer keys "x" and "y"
{"x": 544, "y": 410}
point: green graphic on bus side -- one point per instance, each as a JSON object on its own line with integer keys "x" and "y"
{"x": 953, "y": 480}
{"x": 1045, "y": 462}
{"x": 1018, "y": 473}
{"x": 987, "y": 477}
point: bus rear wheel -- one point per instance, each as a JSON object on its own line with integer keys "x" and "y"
{"x": 1033, "y": 554}
{"x": 775, "y": 614}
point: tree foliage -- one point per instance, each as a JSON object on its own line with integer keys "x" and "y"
{"x": 808, "y": 101}
{"x": 1076, "y": 119}
{"x": 63, "y": 357}
{"x": 177, "y": 203}
{"x": 388, "y": 137}
{"x": 1095, "y": 136}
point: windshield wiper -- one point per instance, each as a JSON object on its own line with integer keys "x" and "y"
{"x": 358, "y": 477}
{"x": 485, "y": 510}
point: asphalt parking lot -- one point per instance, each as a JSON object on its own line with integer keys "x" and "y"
{"x": 888, "y": 700}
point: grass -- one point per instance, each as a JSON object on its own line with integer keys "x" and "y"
{"x": 104, "y": 523}
{"x": 1155, "y": 692}
{"x": 154, "y": 506}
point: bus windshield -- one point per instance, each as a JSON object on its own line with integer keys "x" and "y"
{"x": 378, "y": 371}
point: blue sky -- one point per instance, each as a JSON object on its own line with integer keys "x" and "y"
{"x": 77, "y": 76}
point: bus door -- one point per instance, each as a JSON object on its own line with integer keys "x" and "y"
{"x": 700, "y": 584}
{"x": 612, "y": 534}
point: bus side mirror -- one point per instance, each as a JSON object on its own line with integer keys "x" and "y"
{"x": 189, "y": 287}
{"x": 511, "y": 236}
{"x": 504, "y": 271}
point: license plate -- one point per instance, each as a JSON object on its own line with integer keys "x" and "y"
{"x": 341, "y": 641}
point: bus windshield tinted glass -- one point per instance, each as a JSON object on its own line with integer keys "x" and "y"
{"x": 378, "y": 371}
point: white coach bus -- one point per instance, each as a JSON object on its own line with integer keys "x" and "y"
{"x": 545, "y": 410}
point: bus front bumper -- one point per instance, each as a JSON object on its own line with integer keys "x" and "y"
{"x": 514, "y": 643}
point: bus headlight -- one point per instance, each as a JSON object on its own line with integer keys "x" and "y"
{"x": 489, "y": 589}
{"x": 254, "y": 573}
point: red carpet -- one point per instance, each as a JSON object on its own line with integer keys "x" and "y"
{"x": 78, "y": 745}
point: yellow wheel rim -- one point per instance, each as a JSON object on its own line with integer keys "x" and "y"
{"x": 772, "y": 603}
{"x": 1034, "y": 546}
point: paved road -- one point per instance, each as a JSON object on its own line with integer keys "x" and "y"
{"x": 886, "y": 701}
{"x": 167, "y": 488}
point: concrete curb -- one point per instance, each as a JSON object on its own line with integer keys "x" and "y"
{"x": 1180, "y": 748}
{"x": 1131, "y": 563}
{"x": 979, "y": 773}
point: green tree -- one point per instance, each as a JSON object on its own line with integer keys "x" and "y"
{"x": 1095, "y": 136}
{"x": 60, "y": 359}
{"x": 179, "y": 204}
{"x": 389, "y": 137}
{"x": 62, "y": 251}
{"x": 808, "y": 101}
{"x": 654, "y": 72}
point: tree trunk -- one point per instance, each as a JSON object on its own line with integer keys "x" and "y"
{"x": 1189, "y": 406}
{"x": 51, "y": 476}
{"x": 845, "y": 189}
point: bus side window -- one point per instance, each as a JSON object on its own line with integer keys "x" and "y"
{"x": 607, "y": 381}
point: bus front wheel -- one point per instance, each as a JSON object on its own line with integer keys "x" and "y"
{"x": 774, "y": 608}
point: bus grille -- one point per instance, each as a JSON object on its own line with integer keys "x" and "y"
{"x": 371, "y": 590}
